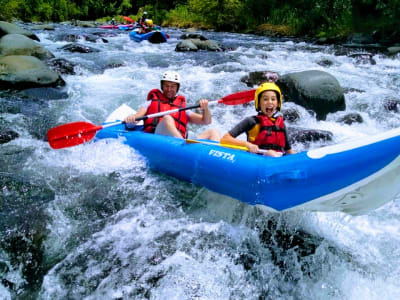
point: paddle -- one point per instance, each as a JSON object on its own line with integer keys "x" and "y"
{"x": 189, "y": 141}
{"x": 77, "y": 133}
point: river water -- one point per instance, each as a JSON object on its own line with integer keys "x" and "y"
{"x": 93, "y": 222}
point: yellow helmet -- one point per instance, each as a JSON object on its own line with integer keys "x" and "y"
{"x": 149, "y": 22}
{"x": 267, "y": 86}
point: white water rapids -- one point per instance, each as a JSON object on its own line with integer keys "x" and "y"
{"x": 117, "y": 230}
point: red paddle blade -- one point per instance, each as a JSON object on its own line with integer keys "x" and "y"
{"x": 238, "y": 98}
{"x": 71, "y": 134}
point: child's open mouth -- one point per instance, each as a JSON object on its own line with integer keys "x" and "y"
{"x": 269, "y": 110}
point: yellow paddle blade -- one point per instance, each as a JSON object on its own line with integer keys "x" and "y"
{"x": 189, "y": 141}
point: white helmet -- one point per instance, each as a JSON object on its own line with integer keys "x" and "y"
{"x": 171, "y": 76}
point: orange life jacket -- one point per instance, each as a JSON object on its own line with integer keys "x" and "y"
{"x": 160, "y": 103}
{"x": 271, "y": 134}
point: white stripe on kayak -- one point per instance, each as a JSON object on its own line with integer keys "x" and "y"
{"x": 321, "y": 152}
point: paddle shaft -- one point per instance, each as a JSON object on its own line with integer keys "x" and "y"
{"x": 190, "y": 141}
{"x": 159, "y": 114}
{"x": 76, "y": 133}
{"x": 167, "y": 112}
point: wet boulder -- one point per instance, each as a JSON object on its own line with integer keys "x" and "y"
{"x": 393, "y": 50}
{"x": 62, "y": 66}
{"x": 17, "y": 44}
{"x": 208, "y": 45}
{"x": 23, "y": 217}
{"x": 105, "y": 34}
{"x": 79, "y": 48}
{"x": 70, "y": 37}
{"x": 392, "y": 105}
{"x": 357, "y": 39}
{"x": 7, "y": 136}
{"x": 9, "y": 28}
{"x": 290, "y": 114}
{"x": 351, "y": 118}
{"x": 47, "y": 27}
{"x": 352, "y": 90}
{"x": 306, "y": 136}
{"x": 198, "y": 36}
{"x": 315, "y": 90}
{"x": 21, "y": 72}
{"x": 363, "y": 58}
{"x": 325, "y": 62}
{"x": 258, "y": 77}
{"x": 185, "y": 46}
{"x": 198, "y": 44}
{"x": 114, "y": 63}
{"x": 44, "y": 93}
{"x": 277, "y": 236}
{"x": 85, "y": 24}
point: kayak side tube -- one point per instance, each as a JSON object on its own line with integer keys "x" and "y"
{"x": 353, "y": 180}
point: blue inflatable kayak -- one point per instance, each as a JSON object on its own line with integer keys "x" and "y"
{"x": 155, "y": 37}
{"x": 354, "y": 177}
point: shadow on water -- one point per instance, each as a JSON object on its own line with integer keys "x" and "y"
{"x": 26, "y": 222}
{"x": 297, "y": 255}
{"x": 22, "y": 232}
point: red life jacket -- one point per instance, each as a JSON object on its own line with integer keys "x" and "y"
{"x": 160, "y": 103}
{"x": 271, "y": 134}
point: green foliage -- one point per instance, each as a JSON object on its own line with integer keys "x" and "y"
{"x": 10, "y": 9}
{"x": 182, "y": 17}
{"x": 45, "y": 12}
{"x": 124, "y": 8}
{"x": 316, "y": 17}
{"x": 221, "y": 14}
{"x": 372, "y": 14}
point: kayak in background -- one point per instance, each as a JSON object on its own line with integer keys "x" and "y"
{"x": 125, "y": 27}
{"x": 155, "y": 37}
{"x": 354, "y": 177}
{"x": 119, "y": 26}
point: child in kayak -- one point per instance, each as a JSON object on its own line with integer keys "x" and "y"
{"x": 266, "y": 130}
{"x": 174, "y": 124}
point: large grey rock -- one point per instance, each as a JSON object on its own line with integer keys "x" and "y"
{"x": 393, "y": 50}
{"x": 186, "y": 45}
{"x": 18, "y": 44}
{"x": 7, "y": 28}
{"x": 315, "y": 90}
{"x": 7, "y": 135}
{"x": 79, "y": 48}
{"x": 21, "y": 72}
{"x": 198, "y": 36}
{"x": 198, "y": 44}
{"x": 258, "y": 77}
{"x": 208, "y": 45}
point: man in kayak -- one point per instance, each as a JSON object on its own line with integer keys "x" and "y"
{"x": 142, "y": 19}
{"x": 141, "y": 23}
{"x": 266, "y": 130}
{"x": 173, "y": 124}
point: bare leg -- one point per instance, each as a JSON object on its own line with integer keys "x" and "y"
{"x": 167, "y": 127}
{"x": 210, "y": 134}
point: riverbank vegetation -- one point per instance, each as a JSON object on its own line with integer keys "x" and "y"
{"x": 292, "y": 17}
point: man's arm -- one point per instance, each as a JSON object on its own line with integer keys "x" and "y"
{"x": 204, "y": 118}
{"x": 132, "y": 118}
